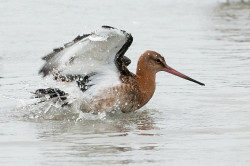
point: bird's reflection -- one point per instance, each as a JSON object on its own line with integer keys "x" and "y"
{"x": 114, "y": 134}
{"x": 110, "y": 123}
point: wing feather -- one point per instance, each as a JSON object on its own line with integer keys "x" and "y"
{"x": 90, "y": 53}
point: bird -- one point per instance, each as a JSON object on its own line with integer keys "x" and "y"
{"x": 91, "y": 73}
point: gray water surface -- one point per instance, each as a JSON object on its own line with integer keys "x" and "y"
{"x": 183, "y": 124}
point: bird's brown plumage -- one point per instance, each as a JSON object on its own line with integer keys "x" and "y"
{"x": 135, "y": 90}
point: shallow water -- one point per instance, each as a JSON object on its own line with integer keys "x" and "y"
{"x": 183, "y": 124}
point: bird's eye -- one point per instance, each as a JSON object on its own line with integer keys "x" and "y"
{"x": 158, "y": 60}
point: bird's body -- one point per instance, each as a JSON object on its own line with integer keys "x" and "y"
{"x": 94, "y": 72}
{"x": 124, "y": 97}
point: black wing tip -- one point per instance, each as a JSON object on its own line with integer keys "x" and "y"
{"x": 46, "y": 70}
{"x": 52, "y": 54}
{"x": 128, "y": 35}
{"x": 43, "y": 72}
{"x": 130, "y": 38}
{"x": 108, "y": 27}
{"x": 122, "y": 61}
{"x": 79, "y": 37}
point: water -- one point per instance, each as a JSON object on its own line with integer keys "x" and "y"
{"x": 183, "y": 124}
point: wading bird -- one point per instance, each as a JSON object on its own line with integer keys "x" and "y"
{"x": 91, "y": 73}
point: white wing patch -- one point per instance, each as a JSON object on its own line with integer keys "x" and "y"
{"x": 93, "y": 53}
{"x": 88, "y": 54}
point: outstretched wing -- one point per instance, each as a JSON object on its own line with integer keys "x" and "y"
{"x": 90, "y": 53}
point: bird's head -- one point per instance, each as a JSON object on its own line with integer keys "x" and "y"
{"x": 154, "y": 62}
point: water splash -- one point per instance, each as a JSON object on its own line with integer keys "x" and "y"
{"x": 51, "y": 111}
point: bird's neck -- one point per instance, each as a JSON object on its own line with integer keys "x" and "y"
{"x": 146, "y": 81}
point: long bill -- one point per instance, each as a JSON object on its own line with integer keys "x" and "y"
{"x": 174, "y": 72}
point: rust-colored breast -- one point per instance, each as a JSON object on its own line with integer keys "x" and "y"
{"x": 124, "y": 97}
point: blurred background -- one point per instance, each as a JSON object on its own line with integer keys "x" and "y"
{"x": 183, "y": 124}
